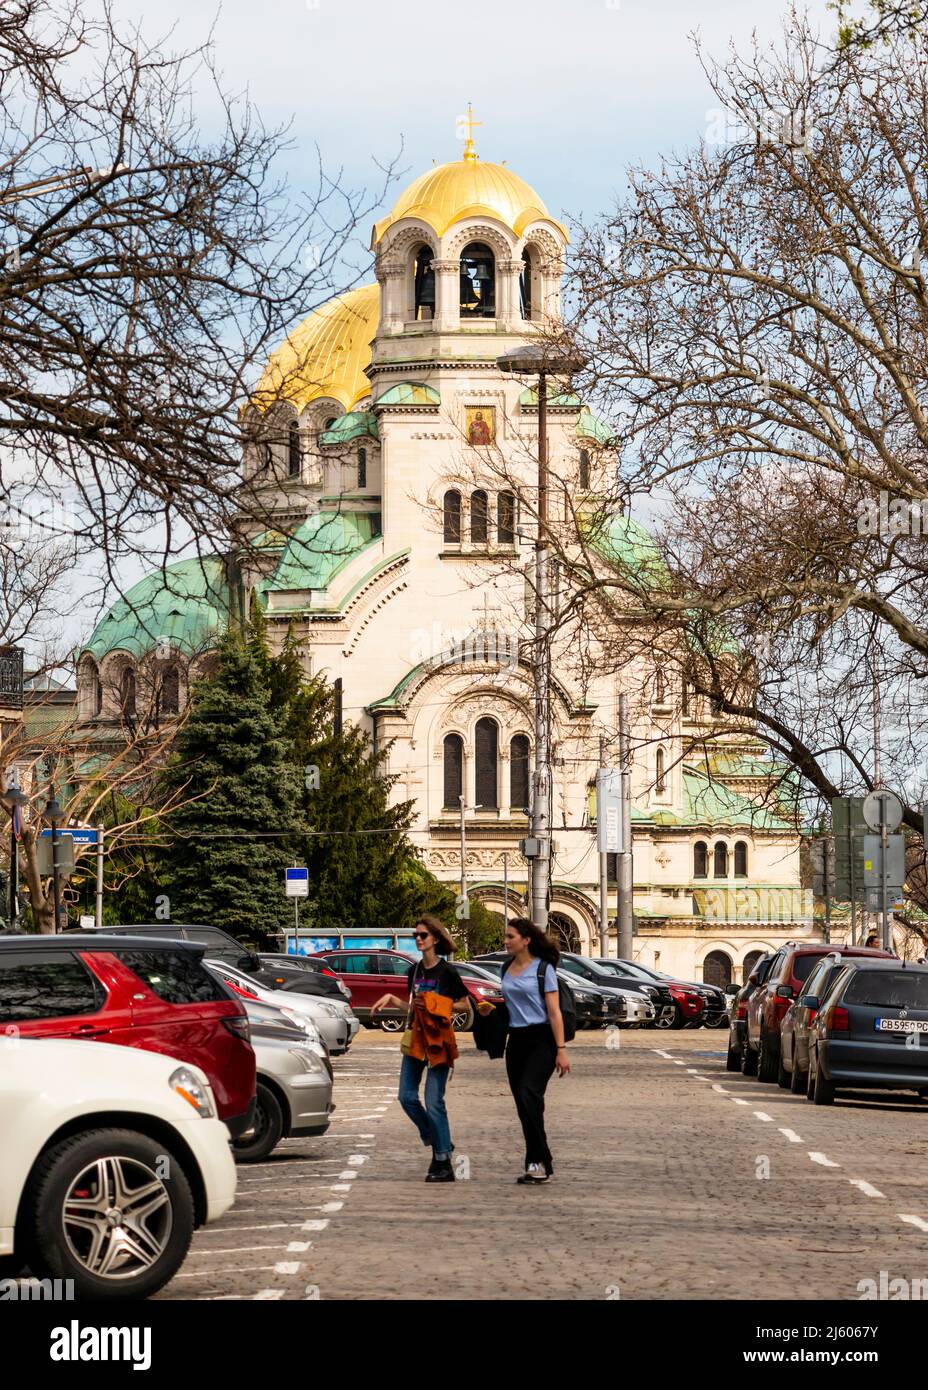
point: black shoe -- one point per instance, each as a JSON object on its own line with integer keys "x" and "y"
{"x": 441, "y": 1171}
{"x": 533, "y": 1175}
{"x": 433, "y": 1166}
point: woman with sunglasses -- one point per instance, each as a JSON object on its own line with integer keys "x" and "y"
{"x": 429, "y": 1044}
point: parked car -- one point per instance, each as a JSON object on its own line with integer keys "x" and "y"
{"x": 106, "y": 1169}
{"x": 868, "y": 1030}
{"x": 219, "y": 944}
{"x": 325, "y": 980}
{"x": 369, "y": 974}
{"x": 298, "y": 1027}
{"x": 657, "y": 990}
{"x": 714, "y": 1010}
{"x": 335, "y": 1022}
{"x": 793, "y": 1069}
{"x": 791, "y": 967}
{"x": 624, "y": 1004}
{"x": 294, "y": 1094}
{"x": 739, "y": 1012}
{"x": 141, "y": 993}
{"x": 480, "y": 985}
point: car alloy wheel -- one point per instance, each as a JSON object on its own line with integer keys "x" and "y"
{"x": 666, "y": 1020}
{"x": 393, "y": 1025}
{"x": 117, "y": 1217}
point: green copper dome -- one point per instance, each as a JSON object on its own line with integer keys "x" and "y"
{"x": 319, "y": 548}
{"x": 186, "y": 603}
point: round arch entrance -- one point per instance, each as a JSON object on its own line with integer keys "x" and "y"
{"x": 716, "y": 969}
{"x": 749, "y": 963}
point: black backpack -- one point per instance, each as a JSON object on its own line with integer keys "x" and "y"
{"x": 565, "y": 998}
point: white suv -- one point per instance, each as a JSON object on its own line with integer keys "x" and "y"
{"x": 109, "y": 1157}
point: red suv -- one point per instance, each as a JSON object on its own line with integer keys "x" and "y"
{"x": 368, "y": 974}
{"x": 156, "y": 995}
{"x": 791, "y": 967}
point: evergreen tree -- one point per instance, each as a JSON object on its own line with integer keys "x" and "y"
{"x": 225, "y": 864}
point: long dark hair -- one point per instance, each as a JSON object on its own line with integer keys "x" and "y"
{"x": 444, "y": 944}
{"x": 539, "y": 944}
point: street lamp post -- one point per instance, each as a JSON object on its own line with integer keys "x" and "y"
{"x": 14, "y": 800}
{"x": 55, "y": 815}
{"x": 541, "y": 360}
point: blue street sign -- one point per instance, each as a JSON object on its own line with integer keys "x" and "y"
{"x": 80, "y": 834}
{"x": 296, "y": 883}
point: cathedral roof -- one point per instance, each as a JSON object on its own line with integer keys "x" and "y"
{"x": 186, "y": 603}
{"x": 319, "y": 548}
{"x": 468, "y": 187}
{"x": 326, "y": 355}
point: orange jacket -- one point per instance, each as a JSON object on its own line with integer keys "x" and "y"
{"x": 433, "y": 1039}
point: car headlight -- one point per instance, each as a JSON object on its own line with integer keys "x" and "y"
{"x": 309, "y": 1060}
{"x": 331, "y": 1010}
{"x": 191, "y": 1089}
{"x": 582, "y": 995}
{"x": 303, "y": 1022}
{"x": 486, "y": 990}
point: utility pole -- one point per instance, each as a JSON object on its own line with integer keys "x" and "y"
{"x": 541, "y": 360}
{"x": 603, "y": 875}
{"x": 625, "y": 888}
{"x": 98, "y": 906}
{"x": 505, "y": 890}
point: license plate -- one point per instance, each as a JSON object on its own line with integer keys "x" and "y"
{"x": 901, "y": 1025}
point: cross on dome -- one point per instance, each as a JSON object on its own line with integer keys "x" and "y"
{"x": 469, "y": 123}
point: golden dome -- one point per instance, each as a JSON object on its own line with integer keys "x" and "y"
{"x": 468, "y": 188}
{"x": 326, "y": 355}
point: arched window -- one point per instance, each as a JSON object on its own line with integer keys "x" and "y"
{"x": 454, "y": 770}
{"x": 741, "y": 859}
{"x": 293, "y": 450}
{"x": 700, "y": 859}
{"x": 478, "y": 281}
{"x": 423, "y": 285}
{"x": 505, "y": 519}
{"x": 716, "y": 969}
{"x": 486, "y": 755}
{"x": 518, "y": 772}
{"x": 96, "y": 692}
{"x": 127, "y": 691}
{"x": 660, "y": 780}
{"x": 170, "y": 691}
{"x": 749, "y": 963}
{"x": 362, "y": 467}
{"x": 720, "y": 860}
{"x": 452, "y": 510}
{"x": 584, "y": 470}
{"x": 479, "y": 517}
{"x": 525, "y": 286}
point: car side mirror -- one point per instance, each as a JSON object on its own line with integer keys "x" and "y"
{"x": 248, "y": 962}
{"x": 784, "y": 992}
{"x": 732, "y": 988}
{"x": 808, "y": 1001}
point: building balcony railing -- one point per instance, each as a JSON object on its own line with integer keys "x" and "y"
{"x": 11, "y": 677}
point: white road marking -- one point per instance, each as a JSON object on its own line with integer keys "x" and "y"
{"x": 721, "y": 1089}
{"x": 866, "y": 1188}
{"x": 340, "y": 1187}
{"x": 288, "y": 1267}
{"x": 357, "y": 1159}
{"x": 678, "y": 1064}
{"x": 661, "y": 1053}
{"x": 791, "y": 1135}
{"x": 828, "y": 1163}
{"x": 296, "y": 1246}
{"x": 332, "y": 1206}
{"x": 268, "y": 1295}
{"x": 914, "y": 1221}
{"x": 762, "y": 1115}
{"x": 736, "y": 1101}
{"x": 348, "y": 1174}
{"x": 315, "y": 1225}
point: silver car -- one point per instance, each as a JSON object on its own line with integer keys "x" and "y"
{"x": 335, "y": 1021}
{"x": 293, "y": 1095}
{"x": 300, "y": 1030}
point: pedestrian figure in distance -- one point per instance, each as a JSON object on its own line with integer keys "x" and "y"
{"x": 873, "y": 940}
{"x": 536, "y": 1044}
{"x": 429, "y": 1044}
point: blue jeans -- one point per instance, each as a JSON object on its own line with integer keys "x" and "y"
{"x": 431, "y": 1119}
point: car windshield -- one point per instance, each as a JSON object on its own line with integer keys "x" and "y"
{"x": 804, "y": 965}
{"x": 888, "y": 989}
{"x": 623, "y": 967}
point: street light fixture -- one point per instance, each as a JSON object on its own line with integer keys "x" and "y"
{"x": 541, "y": 360}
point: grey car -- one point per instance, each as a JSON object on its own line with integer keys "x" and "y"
{"x": 294, "y": 1093}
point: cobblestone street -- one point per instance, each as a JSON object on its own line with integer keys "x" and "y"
{"x": 674, "y": 1180}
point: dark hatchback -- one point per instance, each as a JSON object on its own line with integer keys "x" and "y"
{"x": 737, "y": 1030}
{"x": 870, "y": 1030}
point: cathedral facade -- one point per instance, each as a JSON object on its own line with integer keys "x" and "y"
{"x": 398, "y": 556}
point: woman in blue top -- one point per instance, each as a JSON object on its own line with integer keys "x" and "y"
{"x": 535, "y": 1046}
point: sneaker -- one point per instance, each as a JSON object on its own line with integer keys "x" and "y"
{"x": 535, "y": 1172}
{"x": 441, "y": 1171}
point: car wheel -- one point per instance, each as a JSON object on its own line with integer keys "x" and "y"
{"x": 733, "y": 1060}
{"x": 810, "y": 1080}
{"x": 268, "y": 1130}
{"x": 111, "y": 1210}
{"x": 824, "y": 1091}
{"x": 797, "y": 1080}
{"x": 784, "y": 1078}
{"x": 666, "y": 1020}
{"x": 678, "y": 1021}
{"x": 766, "y": 1063}
{"x": 459, "y": 1022}
{"x": 393, "y": 1025}
{"x": 748, "y": 1060}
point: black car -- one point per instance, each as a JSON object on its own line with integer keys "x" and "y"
{"x": 715, "y": 1014}
{"x": 220, "y": 945}
{"x": 629, "y": 974}
{"x": 870, "y": 1030}
{"x": 739, "y": 1011}
{"x": 289, "y": 972}
{"x": 582, "y": 975}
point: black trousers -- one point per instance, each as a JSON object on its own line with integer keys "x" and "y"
{"x": 530, "y": 1055}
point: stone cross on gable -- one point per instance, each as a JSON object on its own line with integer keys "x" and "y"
{"x": 485, "y": 611}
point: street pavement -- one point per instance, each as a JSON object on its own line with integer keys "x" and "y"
{"x": 674, "y": 1180}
